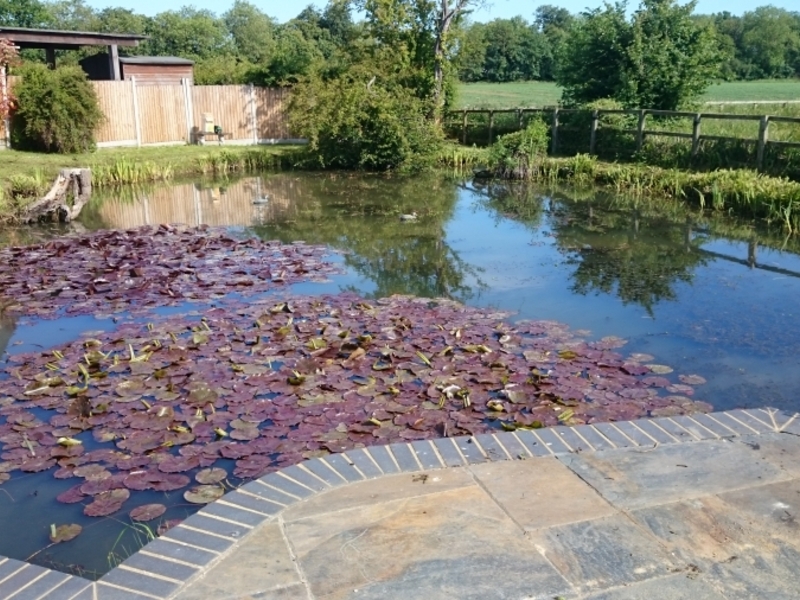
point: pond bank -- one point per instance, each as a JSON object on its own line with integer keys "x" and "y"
{"x": 739, "y": 192}
{"x": 27, "y": 175}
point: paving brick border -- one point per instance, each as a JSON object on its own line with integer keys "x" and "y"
{"x": 165, "y": 565}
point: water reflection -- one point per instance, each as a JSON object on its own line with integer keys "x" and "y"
{"x": 7, "y": 328}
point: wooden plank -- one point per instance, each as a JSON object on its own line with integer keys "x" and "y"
{"x": 230, "y": 107}
{"x": 730, "y": 117}
{"x": 116, "y": 99}
{"x": 674, "y": 134}
{"x": 784, "y": 119}
{"x": 163, "y": 113}
{"x": 783, "y": 144}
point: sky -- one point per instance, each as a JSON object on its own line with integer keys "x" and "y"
{"x": 283, "y": 10}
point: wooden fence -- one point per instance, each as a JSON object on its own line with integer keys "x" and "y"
{"x": 152, "y": 115}
{"x": 641, "y": 131}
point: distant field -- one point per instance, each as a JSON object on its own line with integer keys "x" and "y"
{"x": 536, "y": 93}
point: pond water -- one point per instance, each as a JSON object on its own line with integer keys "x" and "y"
{"x": 705, "y": 296}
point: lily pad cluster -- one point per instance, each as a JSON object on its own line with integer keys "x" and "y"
{"x": 265, "y": 385}
{"x": 114, "y": 271}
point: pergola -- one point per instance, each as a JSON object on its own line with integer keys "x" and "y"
{"x": 51, "y": 40}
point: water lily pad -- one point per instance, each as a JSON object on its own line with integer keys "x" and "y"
{"x": 147, "y": 512}
{"x": 692, "y": 379}
{"x": 659, "y": 369}
{"x": 106, "y": 503}
{"x": 203, "y": 494}
{"x": 64, "y": 533}
{"x": 209, "y": 476}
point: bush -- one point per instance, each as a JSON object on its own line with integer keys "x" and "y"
{"x": 513, "y": 154}
{"x": 57, "y": 110}
{"x": 360, "y": 124}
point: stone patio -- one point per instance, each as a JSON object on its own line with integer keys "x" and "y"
{"x": 701, "y": 507}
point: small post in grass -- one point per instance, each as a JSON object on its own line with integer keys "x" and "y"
{"x": 491, "y": 125}
{"x": 763, "y": 138}
{"x": 464, "y": 129}
{"x": 640, "y": 129}
{"x": 593, "y": 136}
{"x": 696, "y": 135}
{"x": 554, "y": 134}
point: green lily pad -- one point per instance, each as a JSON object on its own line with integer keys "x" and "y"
{"x": 203, "y": 494}
{"x": 64, "y": 533}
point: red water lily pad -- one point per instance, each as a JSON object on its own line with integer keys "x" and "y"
{"x": 147, "y": 512}
{"x": 106, "y": 503}
{"x": 692, "y": 379}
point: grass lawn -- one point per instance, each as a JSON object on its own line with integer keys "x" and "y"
{"x": 542, "y": 93}
{"x": 182, "y": 159}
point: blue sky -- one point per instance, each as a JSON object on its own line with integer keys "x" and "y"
{"x": 283, "y": 10}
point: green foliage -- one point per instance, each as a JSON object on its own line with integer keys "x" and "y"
{"x": 660, "y": 59}
{"x": 58, "y": 110}
{"x": 23, "y": 13}
{"x": 514, "y": 154}
{"x": 354, "y": 122}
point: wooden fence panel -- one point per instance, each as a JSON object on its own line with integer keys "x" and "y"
{"x": 162, "y": 111}
{"x": 230, "y": 106}
{"x": 117, "y": 103}
{"x": 271, "y": 113}
{"x": 11, "y": 80}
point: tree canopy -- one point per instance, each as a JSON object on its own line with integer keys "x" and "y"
{"x": 660, "y": 58}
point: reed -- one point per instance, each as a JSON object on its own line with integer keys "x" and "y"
{"x": 741, "y": 192}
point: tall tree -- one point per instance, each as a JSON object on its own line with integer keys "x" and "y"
{"x": 23, "y": 13}
{"x": 252, "y": 30}
{"x": 662, "y": 58}
{"x": 771, "y": 40}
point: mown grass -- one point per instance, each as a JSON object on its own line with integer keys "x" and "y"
{"x": 543, "y": 93}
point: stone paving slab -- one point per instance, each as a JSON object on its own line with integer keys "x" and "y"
{"x": 687, "y": 507}
{"x": 635, "y": 478}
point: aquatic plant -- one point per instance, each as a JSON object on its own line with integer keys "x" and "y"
{"x": 270, "y": 382}
{"x": 111, "y": 272}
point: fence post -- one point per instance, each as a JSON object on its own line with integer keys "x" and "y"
{"x": 188, "y": 104}
{"x": 4, "y": 100}
{"x": 696, "y": 135}
{"x": 491, "y": 125}
{"x": 464, "y": 129}
{"x": 640, "y": 129}
{"x": 593, "y": 136}
{"x": 519, "y": 118}
{"x": 137, "y": 119}
{"x": 253, "y": 113}
{"x": 763, "y": 138}
{"x": 554, "y": 132}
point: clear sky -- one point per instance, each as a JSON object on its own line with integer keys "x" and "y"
{"x": 283, "y": 10}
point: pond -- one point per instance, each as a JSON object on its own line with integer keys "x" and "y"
{"x": 706, "y": 296}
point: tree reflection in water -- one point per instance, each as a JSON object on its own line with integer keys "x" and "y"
{"x": 360, "y": 217}
{"x": 635, "y": 250}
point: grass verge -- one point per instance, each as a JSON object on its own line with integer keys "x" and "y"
{"x": 26, "y": 175}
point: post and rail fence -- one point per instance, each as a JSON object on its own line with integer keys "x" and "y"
{"x": 516, "y": 118}
{"x": 138, "y": 114}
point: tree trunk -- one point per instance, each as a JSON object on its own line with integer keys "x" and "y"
{"x": 63, "y": 203}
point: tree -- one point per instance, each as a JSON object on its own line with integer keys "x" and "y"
{"x": 771, "y": 40}
{"x": 252, "y": 30}
{"x": 23, "y": 13}
{"x": 661, "y": 59}
{"x": 555, "y": 23}
{"x": 514, "y": 50}
{"x": 422, "y": 32}
{"x": 471, "y": 57}
{"x": 72, "y": 15}
{"x": 189, "y": 33}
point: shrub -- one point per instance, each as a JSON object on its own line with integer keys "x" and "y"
{"x": 361, "y": 124}
{"x": 514, "y": 154}
{"x": 57, "y": 110}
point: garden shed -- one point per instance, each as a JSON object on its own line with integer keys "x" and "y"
{"x": 146, "y": 69}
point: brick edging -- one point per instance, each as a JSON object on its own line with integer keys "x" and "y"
{"x": 164, "y": 566}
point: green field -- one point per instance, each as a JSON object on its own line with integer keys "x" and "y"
{"x": 540, "y": 93}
